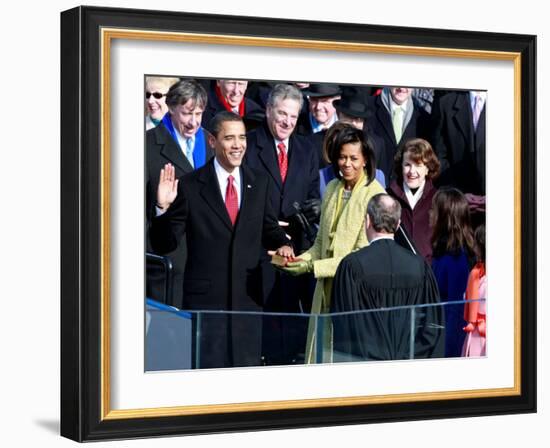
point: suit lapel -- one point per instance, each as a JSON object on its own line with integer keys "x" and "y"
{"x": 384, "y": 117}
{"x": 267, "y": 154}
{"x": 480, "y": 147}
{"x": 211, "y": 194}
{"x": 248, "y": 195}
{"x": 410, "y": 130}
{"x": 480, "y": 131}
{"x": 463, "y": 118}
{"x": 171, "y": 150}
{"x": 296, "y": 163}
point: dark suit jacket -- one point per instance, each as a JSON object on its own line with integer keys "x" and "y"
{"x": 302, "y": 180}
{"x": 160, "y": 150}
{"x": 223, "y": 268}
{"x": 460, "y": 150}
{"x": 283, "y": 293}
{"x": 380, "y": 154}
{"x": 381, "y": 124}
{"x": 304, "y": 129}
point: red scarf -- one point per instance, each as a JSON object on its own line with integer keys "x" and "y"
{"x": 226, "y": 104}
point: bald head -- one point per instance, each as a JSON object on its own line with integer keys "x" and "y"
{"x": 384, "y": 214}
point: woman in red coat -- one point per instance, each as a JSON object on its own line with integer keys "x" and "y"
{"x": 415, "y": 166}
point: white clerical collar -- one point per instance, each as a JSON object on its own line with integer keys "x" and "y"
{"x": 384, "y": 237}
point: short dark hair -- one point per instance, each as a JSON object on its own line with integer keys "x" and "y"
{"x": 420, "y": 151}
{"x": 215, "y": 124}
{"x": 340, "y": 134}
{"x": 186, "y": 90}
{"x": 384, "y": 213}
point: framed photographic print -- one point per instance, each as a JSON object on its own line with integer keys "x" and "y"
{"x": 120, "y": 378}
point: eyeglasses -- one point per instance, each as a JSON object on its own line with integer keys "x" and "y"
{"x": 157, "y": 95}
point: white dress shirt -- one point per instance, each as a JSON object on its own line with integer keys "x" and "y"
{"x": 222, "y": 176}
{"x": 285, "y": 141}
{"x": 482, "y": 96}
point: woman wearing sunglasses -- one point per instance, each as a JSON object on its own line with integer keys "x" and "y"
{"x": 156, "y": 89}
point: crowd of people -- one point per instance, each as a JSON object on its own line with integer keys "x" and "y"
{"x": 282, "y": 199}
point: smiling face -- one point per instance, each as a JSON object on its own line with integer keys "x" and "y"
{"x": 282, "y": 118}
{"x": 156, "y": 107}
{"x": 351, "y": 163}
{"x": 400, "y": 95}
{"x": 233, "y": 91}
{"x": 322, "y": 108}
{"x": 414, "y": 173}
{"x": 229, "y": 144}
{"x": 187, "y": 118}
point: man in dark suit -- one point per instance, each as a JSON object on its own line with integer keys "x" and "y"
{"x": 224, "y": 211}
{"x": 396, "y": 119}
{"x": 180, "y": 140}
{"x": 229, "y": 95}
{"x": 459, "y": 141}
{"x": 321, "y": 115}
{"x": 290, "y": 161}
{"x": 385, "y": 275}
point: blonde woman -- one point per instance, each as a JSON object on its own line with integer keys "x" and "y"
{"x": 156, "y": 88}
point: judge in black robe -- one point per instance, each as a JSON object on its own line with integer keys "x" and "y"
{"x": 380, "y": 276}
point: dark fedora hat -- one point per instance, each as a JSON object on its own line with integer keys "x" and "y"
{"x": 353, "y": 103}
{"x": 322, "y": 90}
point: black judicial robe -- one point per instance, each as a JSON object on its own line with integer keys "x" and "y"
{"x": 385, "y": 275}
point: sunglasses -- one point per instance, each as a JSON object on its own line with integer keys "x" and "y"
{"x": 157, "y": 95}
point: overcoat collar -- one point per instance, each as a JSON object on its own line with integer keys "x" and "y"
{"x": 170, "y": 149}
{"x": 211, "y": 193}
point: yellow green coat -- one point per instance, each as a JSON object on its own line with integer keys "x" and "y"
{"x": 329, "y": 249}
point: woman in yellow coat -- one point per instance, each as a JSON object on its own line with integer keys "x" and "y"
{"x": 342, "y": 224}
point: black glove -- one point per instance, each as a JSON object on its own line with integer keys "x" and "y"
{"x": 311, "y": 209}
{"x": 307, "y": 227}
{"x": 298, "y": 221}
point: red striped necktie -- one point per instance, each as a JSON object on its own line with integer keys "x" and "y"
{"x": 283, "y": 160}
{"x": 231, "y": 200}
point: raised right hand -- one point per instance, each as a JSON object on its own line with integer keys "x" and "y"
{"x": 168, "y": 186}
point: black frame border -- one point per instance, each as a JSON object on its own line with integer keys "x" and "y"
{"x": 81, "y": 223}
